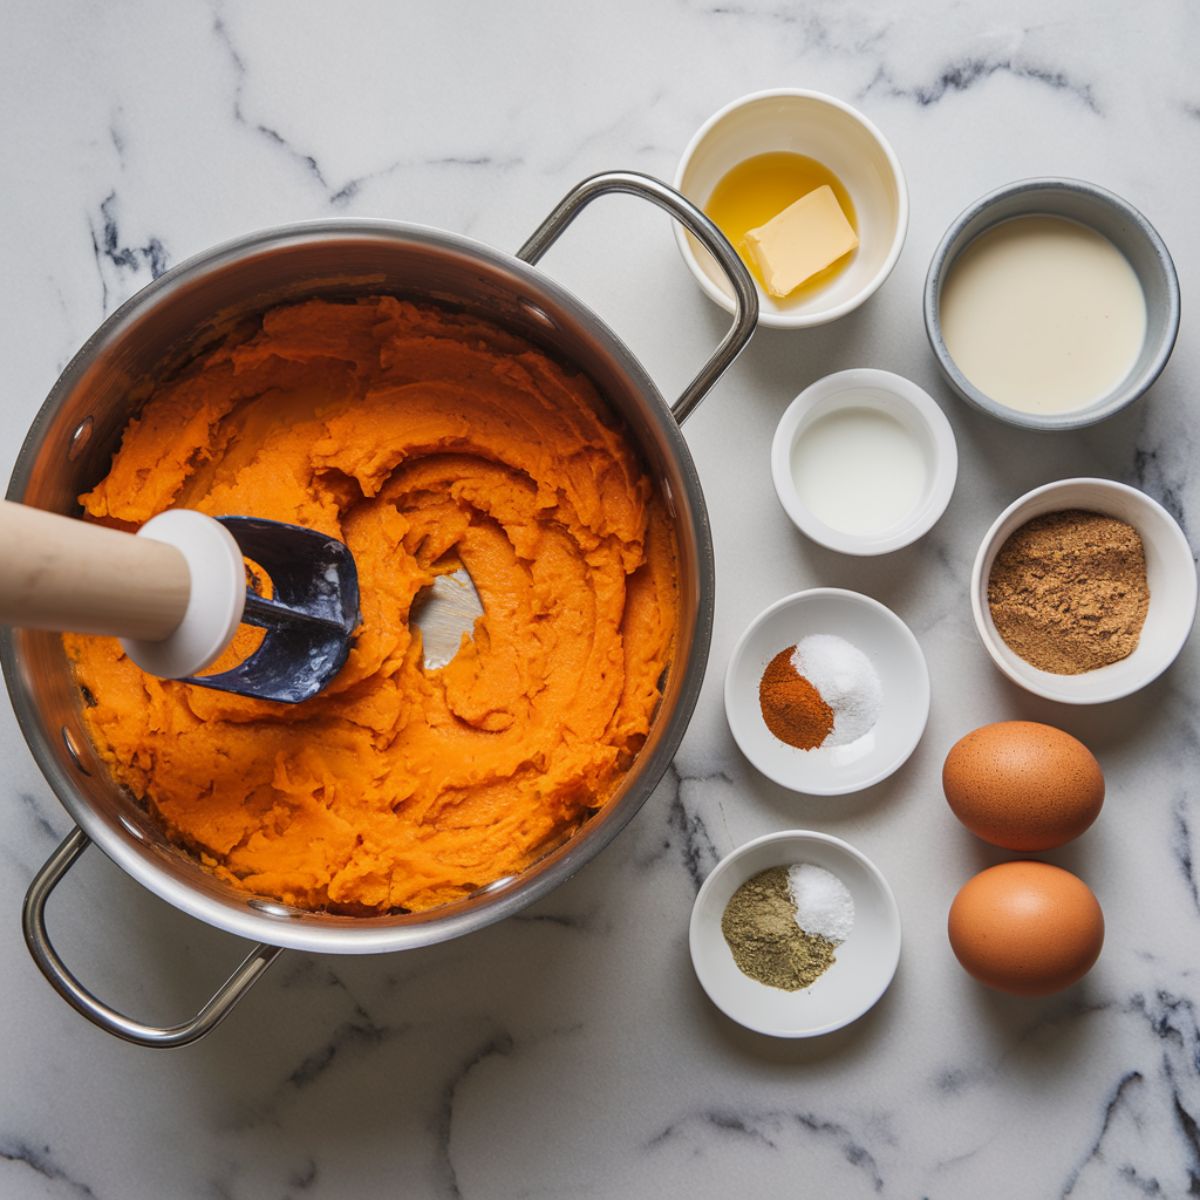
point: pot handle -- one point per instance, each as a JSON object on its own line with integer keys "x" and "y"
{"x": 745, "y": 298}
{"x": 33, "y": 922}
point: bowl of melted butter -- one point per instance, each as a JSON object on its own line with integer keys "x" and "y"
{"x": 809, "y": 193}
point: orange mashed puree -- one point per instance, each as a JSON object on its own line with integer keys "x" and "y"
{"x": 425, "y": 440}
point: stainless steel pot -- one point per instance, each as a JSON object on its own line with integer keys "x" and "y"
{"x": 69, "y": 447}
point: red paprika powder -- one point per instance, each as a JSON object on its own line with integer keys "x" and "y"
{"x": 791, "y": 707}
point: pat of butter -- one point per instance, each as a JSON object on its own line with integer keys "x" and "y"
{"x": 800, "y": 241}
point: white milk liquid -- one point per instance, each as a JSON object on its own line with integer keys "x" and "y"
{"x": 1043, "y": 315}
{"x": 859, "y": 470}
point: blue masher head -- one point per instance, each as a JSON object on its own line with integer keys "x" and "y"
{"x": 309, "y": 620}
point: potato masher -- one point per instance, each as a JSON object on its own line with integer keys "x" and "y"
{"x": 176, "y": 591}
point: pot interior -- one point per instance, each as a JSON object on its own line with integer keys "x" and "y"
{"x": 70, "y": 446}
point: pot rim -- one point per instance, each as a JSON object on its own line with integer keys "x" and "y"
{"x": 273, "y": 923}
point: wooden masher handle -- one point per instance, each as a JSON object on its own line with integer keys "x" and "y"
{"x": 60, "y": 573}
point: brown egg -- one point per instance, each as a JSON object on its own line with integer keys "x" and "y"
{"x": 1026, "y": 927}
{"x": 1022, "y": 785}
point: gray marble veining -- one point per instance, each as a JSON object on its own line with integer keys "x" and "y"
{"x": 570, "y": 1052}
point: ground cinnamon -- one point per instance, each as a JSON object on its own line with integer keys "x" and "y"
{"x": 1068, "y": 591}
{"x": 791, "y": 707}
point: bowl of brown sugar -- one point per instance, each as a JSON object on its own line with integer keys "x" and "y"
{"x": 1084, "y": 591}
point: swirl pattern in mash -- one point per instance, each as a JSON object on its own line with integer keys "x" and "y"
{"x": 425, "y": 440}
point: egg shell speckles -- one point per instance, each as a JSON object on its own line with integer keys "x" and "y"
{"x": 1028, "y": 928}
{"x": 1022, "y": 785}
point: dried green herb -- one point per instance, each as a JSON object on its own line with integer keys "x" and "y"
{"x": 759, "y": 924}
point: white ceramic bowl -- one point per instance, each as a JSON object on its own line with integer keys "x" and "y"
{"x": 898, "y": 398}
{"x": 1170, "y": 571}
{"x": 836, "y": 135}
{"x": 883, "y": 638}
{"x": 866, "y": 960}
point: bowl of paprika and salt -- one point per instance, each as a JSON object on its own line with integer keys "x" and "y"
{"x": 827, "y": 692}
{"x": 1084, "y": 591}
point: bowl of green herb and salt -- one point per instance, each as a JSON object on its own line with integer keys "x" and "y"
{"x": 795, "y": 934}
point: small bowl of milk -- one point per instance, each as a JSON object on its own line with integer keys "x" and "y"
{"x": 864, "y": 462}
{"x": 1051, "y": 304}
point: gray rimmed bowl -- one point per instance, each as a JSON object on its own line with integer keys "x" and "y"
{"x": 1108, "y": 215}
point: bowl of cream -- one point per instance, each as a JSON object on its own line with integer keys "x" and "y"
{"x": 1051, "y": 304}
{"x": 864, "y": 461}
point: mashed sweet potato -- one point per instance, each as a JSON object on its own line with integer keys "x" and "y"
{"x": 424, "y": 440}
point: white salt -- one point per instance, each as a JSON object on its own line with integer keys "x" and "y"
{"x": 847, "y": 681}
{"x": 824, "y": 906}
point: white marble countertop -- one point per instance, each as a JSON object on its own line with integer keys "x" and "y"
{"x": 570, "y": 1051}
